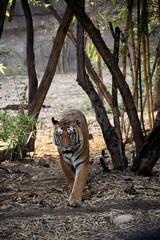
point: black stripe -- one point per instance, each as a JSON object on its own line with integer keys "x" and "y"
{"x": 80, "y": 163}
{"x": 68, "y": 158}
{"x": 81, "y": 152}
{"x": 67, "y": 151}
{"x": 78, "y": 136}
{"x": 77, "y": 144}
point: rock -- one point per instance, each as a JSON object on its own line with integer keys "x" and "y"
{"x": 122, "y": 219}
{"x": 43, "y": 163}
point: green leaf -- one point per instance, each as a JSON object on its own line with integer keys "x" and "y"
{"x": 2, "y": 67}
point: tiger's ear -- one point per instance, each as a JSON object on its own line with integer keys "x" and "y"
{"x": 77, "y": 120}
{"x": 54, "y": 121}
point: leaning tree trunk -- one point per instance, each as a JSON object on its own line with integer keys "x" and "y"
{"x": 101, "y": 86}
{"x": 150, "y": 151}
{"x": 109, "y": 134}
{"x": 37, "y": 101}
{"x": 114, "y": 69}
{"x": 52, "y": 63}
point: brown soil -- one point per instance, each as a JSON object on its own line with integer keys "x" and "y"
{"x": 34, "y": 193}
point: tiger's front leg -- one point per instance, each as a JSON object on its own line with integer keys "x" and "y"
{"x": 68, "y": 172}
{"x": 79, "y": 184}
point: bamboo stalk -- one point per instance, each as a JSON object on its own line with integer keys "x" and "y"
{"x": 146, "y": 80}
{"x": 144, "y": 23}
{"x": 149, "y": 75}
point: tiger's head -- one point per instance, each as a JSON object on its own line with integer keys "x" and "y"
{"x": 67, "y": 134}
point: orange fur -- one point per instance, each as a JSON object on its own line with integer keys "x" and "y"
{"x": 71, "y": 136}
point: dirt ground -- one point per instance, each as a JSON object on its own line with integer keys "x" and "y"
{"x": 34, "y": 193}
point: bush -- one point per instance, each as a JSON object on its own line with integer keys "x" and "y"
{"x": 16, "y": 130}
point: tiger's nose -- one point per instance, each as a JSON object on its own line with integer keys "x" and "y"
{"x": 66, "y": 148}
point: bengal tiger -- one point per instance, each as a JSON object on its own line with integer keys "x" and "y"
{"x": 71, "y": 136}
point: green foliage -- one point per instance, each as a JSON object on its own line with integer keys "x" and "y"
{"x": 35, "y": 2}
{"x": 16, "y": 130}
{"x": 47, "y": 5}
{"x": 15, "y": 70}
{"x": 2, "y": 67}
{"x": 4, "y": 51}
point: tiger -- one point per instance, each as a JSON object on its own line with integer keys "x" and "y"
{"x": 71, "y": 136}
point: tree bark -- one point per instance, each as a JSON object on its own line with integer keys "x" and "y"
{"x": 38, "y": 99}
{"x": 116, "y": 36}
{"x": 150, "y": 151}
{"x": 3, "y": 7}
{"x": 33, "y": 82}
{"x": 109, "y": 134}
{"x": 11, "y": 13}
{"x": 50, "y": 70}
{"x": 157, "y": 62}
{"x": 114, "y": 69}
{"x": 157, "y": 84}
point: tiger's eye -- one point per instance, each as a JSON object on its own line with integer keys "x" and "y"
{"x": 58, "y": 135}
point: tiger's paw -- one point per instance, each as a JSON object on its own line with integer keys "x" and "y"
{"x": 74, "y": 202}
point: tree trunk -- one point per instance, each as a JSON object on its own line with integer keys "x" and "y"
{"x": 150, "y": 151}
{"x": 101, "y": 86}
{"x": 52, "y": 64}
{"x": 3, "y": 7}
{"x": 114, "y": 69}
{"x": 147, "y": 164}
{"x": 38, "y": 99}
{"x": 157, "y": 84}
{"x": 33, "y": 82}
{"x": 109, "y": 134}
{"x": 116, "y": 36}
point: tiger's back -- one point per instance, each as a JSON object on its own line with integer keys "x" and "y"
{"x": 71, "y": 136}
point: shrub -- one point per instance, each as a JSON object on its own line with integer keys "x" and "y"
{"x": 16, "y": 130}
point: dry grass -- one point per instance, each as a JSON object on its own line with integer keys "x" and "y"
{"x": 34, "y": 196}
{"x": 34, "y": 199}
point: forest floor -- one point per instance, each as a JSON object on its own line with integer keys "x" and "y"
{"x": 34, "y": 193}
